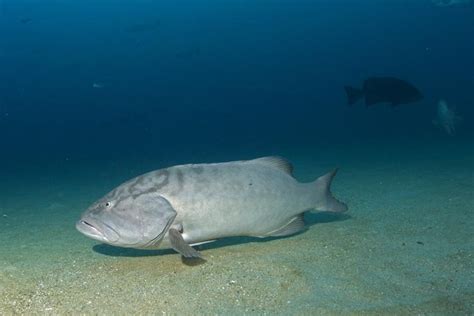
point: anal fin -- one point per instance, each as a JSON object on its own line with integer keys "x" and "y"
{"x": 295, "y": 225}
{"x": 178, "y": 244}
{"x": 203, "y": 242}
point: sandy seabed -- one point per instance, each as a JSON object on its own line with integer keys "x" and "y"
{"x": 406, "y": 246}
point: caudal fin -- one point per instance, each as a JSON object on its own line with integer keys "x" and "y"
{"x": 353, "y": 94}
{"x": 324, "y": 199}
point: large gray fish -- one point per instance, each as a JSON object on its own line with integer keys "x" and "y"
{"x": 187, "y": 205}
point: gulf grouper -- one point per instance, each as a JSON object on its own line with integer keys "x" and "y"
{"x": 390, "y": 90}
{"x": 187, "y": 205}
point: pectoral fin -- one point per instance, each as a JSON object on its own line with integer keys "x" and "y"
{"x": 178, "y": 244}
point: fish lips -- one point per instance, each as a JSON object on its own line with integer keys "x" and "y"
{"x": 97, "y": 230}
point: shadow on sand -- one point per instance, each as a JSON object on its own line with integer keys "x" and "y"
{"x": 310, "y": 220}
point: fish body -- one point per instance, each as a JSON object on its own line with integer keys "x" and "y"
{"x": 384, "y": 90}
{"x": 192, "y": 204}
{"x": 446, "y": 118}
{"x": 97, "y": 85}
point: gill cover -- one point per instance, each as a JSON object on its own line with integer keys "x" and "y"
{"x": 157, "y": 215}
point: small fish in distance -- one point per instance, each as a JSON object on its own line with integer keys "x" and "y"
{"x": 451, "y": 3}
{"x": 446, "y": 118}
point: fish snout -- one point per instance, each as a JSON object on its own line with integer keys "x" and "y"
{"x": 97, "y": 230}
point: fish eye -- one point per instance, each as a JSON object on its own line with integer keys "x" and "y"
{"x": 108, "y": 204}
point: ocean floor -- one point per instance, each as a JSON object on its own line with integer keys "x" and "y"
{"x": 406, "y": 246}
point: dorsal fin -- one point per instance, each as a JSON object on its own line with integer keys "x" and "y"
{"x": 276, "y": 162}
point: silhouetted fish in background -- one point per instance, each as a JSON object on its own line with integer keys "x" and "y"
{"x": 26, "y": 20}
{"x": 384, "y": 90}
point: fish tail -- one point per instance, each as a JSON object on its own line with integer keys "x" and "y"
{"x": 324, "y": 199}
{"x": 353, "y": 94}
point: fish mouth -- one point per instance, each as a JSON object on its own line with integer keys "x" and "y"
{"x": 98, "y": 231}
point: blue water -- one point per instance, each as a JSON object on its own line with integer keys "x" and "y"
{"x": 91, "y": 85}
{"x": 265, "y": 74}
